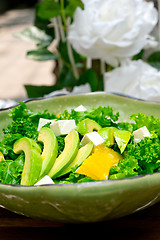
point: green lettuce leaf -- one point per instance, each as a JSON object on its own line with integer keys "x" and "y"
{"x": 11, "y": 170}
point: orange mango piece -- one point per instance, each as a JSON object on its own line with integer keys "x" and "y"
{"x": 99, "y": 163}
{"x": 1, "y": 157}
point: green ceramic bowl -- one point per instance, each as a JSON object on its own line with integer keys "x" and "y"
{"x": 84, "y": 202}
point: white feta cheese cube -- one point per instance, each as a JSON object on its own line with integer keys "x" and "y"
{"x": 43, "y": 121}
{"x": 92, "y": 137}
{"x": 56, "y": 128}
{"x": 45, "y": 180}
{"x": 140, "y": 133}
{"x": 62, "y": 127}
{"x": 80, "y": 108}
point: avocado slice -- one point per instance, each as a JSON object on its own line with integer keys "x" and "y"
{"x": 87, "y": 125}
{"x": 33, "y": 160}
{"x": 67, "y": 156}
{"x": 50, "y": 149}
{"x": 122, "y": 138}
{"x": 107, "y": 134}
{"x": 35, "y": 145}
{"x": 82, "y": 154}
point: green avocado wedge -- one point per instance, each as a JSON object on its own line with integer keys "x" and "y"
{"x": 50, "y": 149}
{"x": 82, "y": 154}
{"x": 122, "y": 138}
{"x": 67, "y": 156}
{"x": 87, "y": 125}
{"x": 33, "y": 160}
{"x": 112, "y": 134}
{"x": 107, "y": 134}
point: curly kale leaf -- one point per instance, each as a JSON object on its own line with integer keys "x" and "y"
{"x": 25, "y": 121}
{"x": 128, "y": 167}
{"x": 104, "y": 116}
{"x": 152, "y": 123}
{"x": 61, "y": 144}
{"x": 22, "y": 111}
{"x": 24, "y": 127}
{"x": 140, "y": 158}
{"x": 75, "y": 177}
{"x": 147, "y": 152}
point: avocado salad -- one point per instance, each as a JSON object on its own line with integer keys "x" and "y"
{"x": 80, "y": 145}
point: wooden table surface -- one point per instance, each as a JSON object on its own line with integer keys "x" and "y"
{"x": 141, "y": 225}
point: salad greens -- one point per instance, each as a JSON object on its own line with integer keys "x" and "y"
{"x": 104, "y": 116}
{"x": 138, "y": 158}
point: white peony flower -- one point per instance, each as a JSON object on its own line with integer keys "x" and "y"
{"x": 85, "y": 88}
{"x": 112, "y": 30}
{"x": 137, "y": 79}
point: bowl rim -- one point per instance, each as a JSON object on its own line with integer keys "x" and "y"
{"x": 75, "y": 94}
{"x": 101, "y": 182}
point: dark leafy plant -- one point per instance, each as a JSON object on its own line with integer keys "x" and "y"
{"x": 52, "y": 19}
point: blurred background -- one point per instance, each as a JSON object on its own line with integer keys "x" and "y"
{"x": 15, "y": 69}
